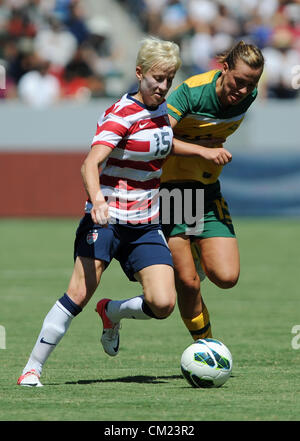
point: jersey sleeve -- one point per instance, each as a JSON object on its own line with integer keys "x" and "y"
{"x": 111, "y": 129}
{"x": 179, "y": 102}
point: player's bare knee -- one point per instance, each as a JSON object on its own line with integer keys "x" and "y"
{"x": 225, "y": 280}
{"x": 164, "y": 307}
{"x": 164, "y": 311}
{"x": 227, "y": 284}
{"x": 189, "y": 285}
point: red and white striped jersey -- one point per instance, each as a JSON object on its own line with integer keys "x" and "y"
{"x": 140, "y": 139}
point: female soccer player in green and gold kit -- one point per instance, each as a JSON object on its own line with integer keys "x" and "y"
{"x": 204, "y": 110}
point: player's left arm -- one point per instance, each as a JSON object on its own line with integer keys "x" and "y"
{"x": 205, "y": 148}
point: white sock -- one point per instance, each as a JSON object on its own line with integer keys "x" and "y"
{"x": 55, "y": 325}
{"x": 134, "y": 308}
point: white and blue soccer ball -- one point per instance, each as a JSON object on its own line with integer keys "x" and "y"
{"x": 206, "y": 363}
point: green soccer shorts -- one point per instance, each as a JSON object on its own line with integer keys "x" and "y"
{"x": 216, "y": 220}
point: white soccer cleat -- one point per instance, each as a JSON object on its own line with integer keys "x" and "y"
{"x": 30, "y": 379}
{"x": 110, "y": 338}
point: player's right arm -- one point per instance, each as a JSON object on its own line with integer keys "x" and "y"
{"x": 90, "y": 175}
{"x": 180, "y": 103}
{"x": 205, "y": 148}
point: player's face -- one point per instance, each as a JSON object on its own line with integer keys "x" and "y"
{"x": 154, "y": 84}
{"x": 237, "y": 83}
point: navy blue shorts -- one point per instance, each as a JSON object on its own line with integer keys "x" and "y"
{"x": 134, "y": 246}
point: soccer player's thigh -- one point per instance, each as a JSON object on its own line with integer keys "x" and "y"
{"x": 85, "y": 279}
{"x": 221, "y": 260}
{"x": 94, "y": 247}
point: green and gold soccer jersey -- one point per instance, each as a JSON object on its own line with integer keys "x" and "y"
{"x": 196, "y": 107}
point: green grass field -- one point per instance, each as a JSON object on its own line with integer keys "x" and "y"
{"x": 144, "y": 382}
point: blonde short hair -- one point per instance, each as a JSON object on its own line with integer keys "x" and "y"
{"x": 248, "y": 53}
{"x": 155, "y": 52}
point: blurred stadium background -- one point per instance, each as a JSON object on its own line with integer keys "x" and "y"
{"x": 65, "y": 61}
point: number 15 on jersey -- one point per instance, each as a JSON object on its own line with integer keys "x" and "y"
{"x": 163, "y": 143}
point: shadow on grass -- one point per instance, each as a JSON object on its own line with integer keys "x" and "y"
{"x": 131, "y": 379}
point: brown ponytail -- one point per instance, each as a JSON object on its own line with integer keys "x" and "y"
{"x": 249, "y": 53}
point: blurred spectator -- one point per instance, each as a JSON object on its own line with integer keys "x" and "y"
{"x": 202, "y": 11}
{"x": 16, "y": 4}
{"x": 140, "y": 9}
{"x": 55, "y": 43}
{"x": 82, "y": 54}
{"x": 204, "y": 46}
{"x": 19, "y": 25}
{"x": 78, "y": 80}
{"x": 38, "y": 87}
{"x": 49, "y": 52}
{"x": 263, "y": 8}
{"x": 206, "y": 28}
{"x": 280, "y": 59}
{"x": 61, "y": 9}
{"x": 17, "y": 60}
{"x": 10, "y": 90}
{"x": 100, "y": 53}
{"x": 102, "y": 56}
{"x": 76, "y": 23}
{"x": 152, "y": 15}
{"x": 4, "y": 16}
{"x": 288, "y": 18}
{"x": 201, "y": 48}
{"x": 225, "y": 22}
{"x": 37, "y": 11}
{"x": 258, "y": 30}
{"x": 174, "y": 21}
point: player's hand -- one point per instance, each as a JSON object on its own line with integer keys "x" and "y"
{"x": 100, "y": 213}
{"x": 218, "y": 156}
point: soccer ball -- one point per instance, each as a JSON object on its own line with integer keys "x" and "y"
{"x": 206, "y": 363}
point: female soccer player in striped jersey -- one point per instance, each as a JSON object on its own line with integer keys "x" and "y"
{"x": 207, "y": 106}
{"x": 121, "y": 215}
